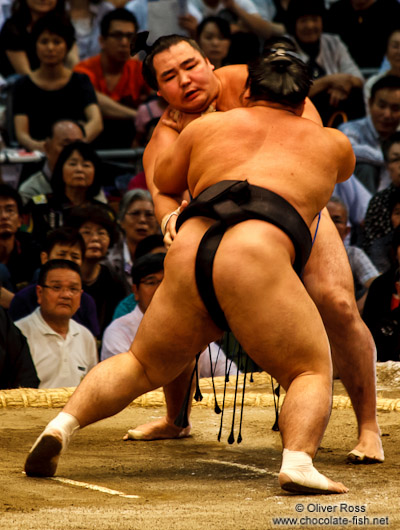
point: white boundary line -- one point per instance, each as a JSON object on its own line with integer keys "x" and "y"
{"x": 241, "y": 466}
{"x": 93, "y": 487}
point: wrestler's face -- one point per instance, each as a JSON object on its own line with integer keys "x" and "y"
{"x": 393, "y": 164}
{"x": 339, "y": 217}
{"x": 385, "y": 111}
{"x": 185, "y": 78}
{"x": 148, "y": 285}
{"x": 308, "y": 28}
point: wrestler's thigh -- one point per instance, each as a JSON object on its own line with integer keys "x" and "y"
{"x": 266, "y": 305}
{"x": 176, "y": 326}
{"x": 327, "y": 274}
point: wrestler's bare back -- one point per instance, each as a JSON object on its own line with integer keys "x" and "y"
{"x": 305, "y": 162}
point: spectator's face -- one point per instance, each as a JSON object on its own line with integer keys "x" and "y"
{"x": 60, "y": 298}
{"x": 393, "y": 50}
{"x": 51, "y": 49}
{"x": 395, "y": 216}
{"x": 77, "y": 172}
{"x": 64, "y": 133}
{"x": 385, "y": 111}
{"x": 41, "y": 7}
{"x": 393, "y": 164}
{"x": 97, "y": 240}
{"x": 361, "y": 4}
{"x": 10, "y": 219}
{"x": 117, "y": 45}
{"x": 139, "y": 221}
{"x": 185, "y": 78}
{"x": 63, "y": 251}
{"x": 308, "y": 28}
{"x": 144, "y": 292}
{"x": 213, "y": 43}
{"x": 339, "y": 218}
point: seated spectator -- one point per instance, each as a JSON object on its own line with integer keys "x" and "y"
{"x": 99, "y": 231}
{"x": 149, "y": 245}
{"x": 61, "y": 243}
{"x": 393, "y": 57}
{"x": 367, "y": 134}
{"x": 17, "y": 49}
{"x": 147, "y": 274}
{"x": 117, "y": 79}
{"x": 62, "y": 133}
{"x": 382, "y": 308}
{"x": 364, "y": 26}
{"x": 76, "y": 181}
{"x": 214, "y": 38}
{"x": 137, "y": 221}
{"x": 16, "y": 365}
{"x": 381, "y": 251}
{"x": 19, "y": 254}
{"x": 52, "y": 91}
{"x": 356, "y": 197}
{"x": 86, "y": 16}
{"x": 364, "y": 271}
{"x": 337, "y": 80}
{"x": 378, "y": 217}
{"x": 62, "y": 350}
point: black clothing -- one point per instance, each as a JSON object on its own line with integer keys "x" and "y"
{"x": 15, "y": 37}
{"x": 23, "y": 260}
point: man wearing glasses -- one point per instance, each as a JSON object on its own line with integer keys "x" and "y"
{"x": 62, "y": 350}
{"x": 117, "y": 79}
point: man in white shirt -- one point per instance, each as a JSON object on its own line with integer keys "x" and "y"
{"x": 62, "y": 350}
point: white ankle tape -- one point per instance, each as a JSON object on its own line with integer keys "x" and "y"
{"x": 298, "y": 466}
{"x": 66, "y": 424}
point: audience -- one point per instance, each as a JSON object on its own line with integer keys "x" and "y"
{"x": 16, "y": 365}
{"x": 53, "y": 92}
{"x": 62, "y": 350}
{"x": 214, "y": 38}
{"x": 117, "y": 79}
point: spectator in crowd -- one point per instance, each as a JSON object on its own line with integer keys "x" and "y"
{"x": 61, "y": 243}
{"x": 381, "y": 249}
{"x": 52, "y": 91}
{"x": 19, "y": 254}
{"x": 393, "y": 57}
{"x": 99, "y": 231}
{"x": 76, "y": 181}
{"x": 367, "y": 134}
{"x": 337, "y": 80}
{"x": 214, "y": 38}
{"x": 62, "y": 350}
{"x": 364, "y": 271}
{"x": 364, "y": 26}
{"x": 382, "y": 308}
{"x": 17, "y": 48}
{"x": 16, "y": 365}
{"x": 137, "y": 220}
{"x": 63, "y": 132}
{"x": 117, "y": 79}
{"x": 378, "y": 218}
{"x": 147, "y": 274}
{"x": 86, "y": 16}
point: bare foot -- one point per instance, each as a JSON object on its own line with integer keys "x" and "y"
{"x": 369, "y": 449}
{"x": 160, "y": 429}
{"x": 310, "y": 483}
{"x": 43, "y": 458}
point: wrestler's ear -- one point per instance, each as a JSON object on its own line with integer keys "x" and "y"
{"x": 209, "y": 63}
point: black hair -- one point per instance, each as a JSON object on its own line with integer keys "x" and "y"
{"x": 149, "y": 243}
{"x": 387, "y": 81}
{"x": 57, "y": 264}
{"x": 66, "y": 235}
{"x": 97, "y": 214}
{"x": 301, "y": 8}
{"x": 88, "y": 153}
{"x": 279, "y": 76}
{"x": 221, "y": 23}
{"x": 393, "y": 200}
{"x": 160, "y": 45}
{"x": 387, "y": 144}
{"x": 57, "y": 24}
{"x": 145, "y": 265}
{"x": 9, "y": 192}
{"x": 116, "y": 14}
